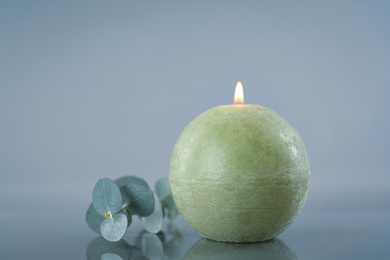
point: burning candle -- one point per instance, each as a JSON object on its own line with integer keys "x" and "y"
{"x": 239, "y": 173}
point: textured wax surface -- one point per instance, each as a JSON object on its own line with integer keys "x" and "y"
{"x": 239, "y": 173}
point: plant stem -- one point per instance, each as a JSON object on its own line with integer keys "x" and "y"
{"x": 123, "y": 208}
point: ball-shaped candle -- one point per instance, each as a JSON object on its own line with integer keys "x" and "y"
{"x": 239, "y": 173}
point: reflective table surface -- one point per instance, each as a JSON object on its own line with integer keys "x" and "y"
{"x": 314, "y": 235}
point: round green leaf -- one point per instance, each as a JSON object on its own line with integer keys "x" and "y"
{"x": 153, "y": 223}
{"x": 138, "y": 198}
{"x": 99, "y": 246}
{"x": 163, "y": 188}
{"x": 111, "y": 256}
{"x": 174, "y": 229}
{"x": 173, "y": 214}
{"x": 106, "y": 196}
{"x": 128, "y": 215}
{"x": 114, "y": 228}
{"x": 130, "y": 179}
{"x": 169, "y": 202}
{"x": 93, "y": 219}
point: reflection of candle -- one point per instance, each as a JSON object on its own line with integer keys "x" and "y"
{"x": 239, "y": 173}
{"x": 205, "y": 249}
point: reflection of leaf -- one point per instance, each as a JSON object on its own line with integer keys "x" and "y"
{"x": 99, "y": 246}
{"x": 151, "y": 246}
{"x": 141, "y": 257}
{"x": 153, "y": 223}
{"x": 163, "y": 188}
{"x": 106, "y": 196}
{"x": 110, "y": 256}
{"x": 94, "y": 219}
{"x": 130, "y": 179}
{"x": 172, "y": 249}
{"x": 138, "y": 239}
{"x": 140, "y": 199}
{"x": 136, "y": 253}
{"x": 114, "y": 228}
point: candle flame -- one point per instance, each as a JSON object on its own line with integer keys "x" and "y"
{"x": 239, "y": 94}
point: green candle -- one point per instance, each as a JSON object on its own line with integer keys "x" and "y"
{"x": 239, "y": 173}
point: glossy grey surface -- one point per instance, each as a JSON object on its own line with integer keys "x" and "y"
{"x": 314, "y": 235}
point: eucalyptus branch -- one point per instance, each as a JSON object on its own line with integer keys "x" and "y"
{"x": 107, "y": 215}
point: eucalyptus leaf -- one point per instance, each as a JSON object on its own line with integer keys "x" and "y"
{"x": 106, "y": 196}
{"x": 174, "y": 229}
{"x": 173, "y": 214}
{"x": 114, "y": 228}
{"x": 169, "y": 203}
{"x": 153, "y": 223}
{"x": 93, "y": 219}
{"x": 163, "y": 188}
{"x": 138, "y": 198}
{"x": 130, "y": 179}
{"x": 164, "y": 192}
{"x": 128, "y": 215}
{"x": 111, "y": 256}
{"x": 99, "y": 247}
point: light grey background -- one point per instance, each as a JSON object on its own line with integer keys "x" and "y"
{"x": 92, "y": 89}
